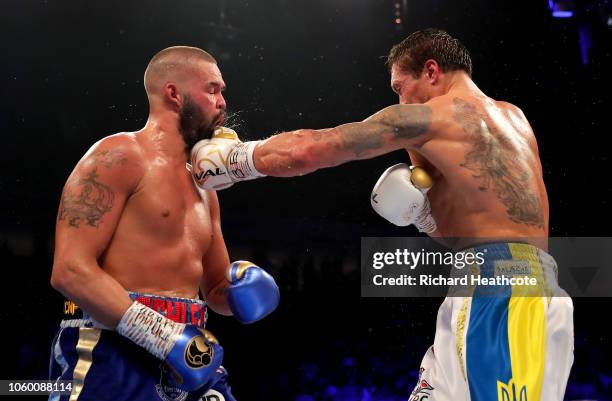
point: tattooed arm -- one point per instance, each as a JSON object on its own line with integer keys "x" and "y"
{"x": 304, "y": 151}
{"x": 92, "y": 201}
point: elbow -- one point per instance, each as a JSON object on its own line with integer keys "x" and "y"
{"x": 60, "y": 276}
{"x": 66, "y": 276}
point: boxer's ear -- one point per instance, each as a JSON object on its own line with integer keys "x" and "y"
{"x": 432, "y": 70}
{"x": 172, "y": 95}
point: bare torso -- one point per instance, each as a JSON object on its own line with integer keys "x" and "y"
{"x": 163, "y": 232}
{"x": 487, "y": 172}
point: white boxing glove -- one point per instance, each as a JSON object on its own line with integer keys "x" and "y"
{"x": 400, "y": 196}
{"x": 218, "y": 162}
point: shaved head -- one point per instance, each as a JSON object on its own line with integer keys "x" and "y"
{"x": 185, "y": 83}
{"x": 173, "y": 64}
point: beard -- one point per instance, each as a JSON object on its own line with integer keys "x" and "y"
{"x": 193, "y": 125}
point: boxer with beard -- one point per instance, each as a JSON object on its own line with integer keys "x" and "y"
{"x": 137, "y": 243}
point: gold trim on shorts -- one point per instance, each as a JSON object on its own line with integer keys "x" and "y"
{"x": 88, "y": 339}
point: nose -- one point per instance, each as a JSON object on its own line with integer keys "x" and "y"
{"x": 221, "y": 102}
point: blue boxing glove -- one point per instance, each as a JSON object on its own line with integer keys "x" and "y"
{"x": 193, "y": 359}
{"x": 252, "y": 294}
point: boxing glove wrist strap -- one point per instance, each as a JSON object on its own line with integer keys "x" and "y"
{"x": 425, "y": 221}
{"x": 241, "y": 164}
{"x": 149, "y": 329}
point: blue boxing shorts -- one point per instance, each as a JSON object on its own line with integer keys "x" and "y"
{"x": 103, "y": 365}
{"x": 507, "y": 342}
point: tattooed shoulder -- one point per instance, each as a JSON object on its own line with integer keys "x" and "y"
{"x": 412, "y": 121}
{"x": 85, "y": 200}
{"x": 89, "y": 194}
{"x": 108, "y": 158}
{"x": 493, "y": 162}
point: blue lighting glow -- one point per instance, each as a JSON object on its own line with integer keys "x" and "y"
{"x": 561, "y": 8}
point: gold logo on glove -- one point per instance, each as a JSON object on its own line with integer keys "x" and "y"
{"x": 199, "y": 170}
{"x": 198, "y": 353}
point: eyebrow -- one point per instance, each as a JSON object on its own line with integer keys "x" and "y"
{"x": 218, "y": 84}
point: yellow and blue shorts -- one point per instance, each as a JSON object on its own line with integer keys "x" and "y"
{"x": 515, "y": 343}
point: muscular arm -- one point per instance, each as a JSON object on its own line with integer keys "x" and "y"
{"x": 304, "y": 151}
{"x": 91, "y": 205}
{"x": 216, "y": 261}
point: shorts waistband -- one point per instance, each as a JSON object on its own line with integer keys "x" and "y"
{"x": 494, "y": 254}
{"x": 512, "y": 259}
{"x": 506, "y": 260}
{"x": 180, "y": 310}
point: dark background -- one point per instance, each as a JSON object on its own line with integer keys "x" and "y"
{"x": 72, "y": 74}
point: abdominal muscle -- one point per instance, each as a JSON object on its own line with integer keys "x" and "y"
{"x": 165, "y": 271}
{"x": 159, "y": 242}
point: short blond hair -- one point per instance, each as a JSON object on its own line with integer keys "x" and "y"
{"x": 172, "y": 61}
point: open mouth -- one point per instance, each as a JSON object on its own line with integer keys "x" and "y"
{"x": 220, "y": 120}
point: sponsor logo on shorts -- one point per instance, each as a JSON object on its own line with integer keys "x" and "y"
{"x": 70, "y": 308}
{"x": 166, "y": 392}
{"x": 512, "y": 268}
{"x": 198, "y": 353}
{"x": 511, "y": 391}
